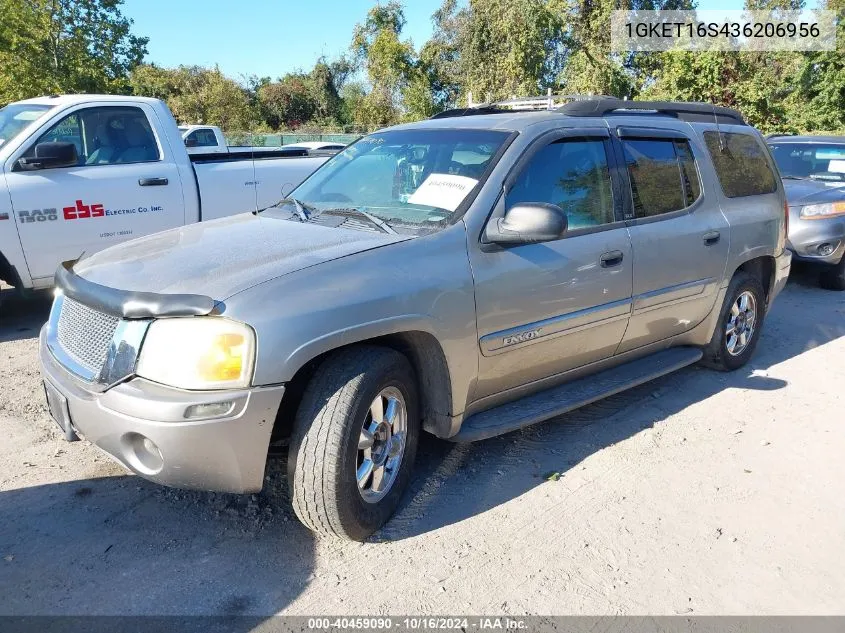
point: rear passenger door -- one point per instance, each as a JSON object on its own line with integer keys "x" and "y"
{"x": 543, "y": 309}
{"x": 679, "y": 236}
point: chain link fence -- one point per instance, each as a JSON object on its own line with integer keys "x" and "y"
{"x": 243, "y": 139}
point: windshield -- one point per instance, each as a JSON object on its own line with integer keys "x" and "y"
{"x": 810, "y": 160}
{"x": 412, "y": 180}
{"x": 16, "y": 116}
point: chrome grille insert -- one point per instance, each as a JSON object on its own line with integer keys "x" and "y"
{"x": 85, "y": 334}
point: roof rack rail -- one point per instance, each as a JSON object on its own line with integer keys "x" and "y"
{"x": 690, "y": 111}
{"x": 547, "y": 102}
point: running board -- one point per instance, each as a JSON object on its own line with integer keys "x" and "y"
{"x": 556, "y": 401}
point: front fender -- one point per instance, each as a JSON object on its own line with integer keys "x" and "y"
{"x": 419, "y": 285}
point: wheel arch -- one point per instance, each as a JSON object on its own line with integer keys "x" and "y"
{"x": 420, "y": 347}
{"x": 762, "y": 267}
{"x": 9, "y": 273}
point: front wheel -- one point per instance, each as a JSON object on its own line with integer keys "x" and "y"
{"x": 354, "y": 442}
{"x": 739, "y": 326}
{"x": 834, "y": 277}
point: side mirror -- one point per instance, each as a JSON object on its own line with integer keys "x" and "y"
{"x": 51, "y": 156}
{"x": 191, "y": 142}
{"x": 528, "y": 223}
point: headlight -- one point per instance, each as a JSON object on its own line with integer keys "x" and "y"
{"x": 198, "y": 353}
{"x": 820, "y": 211}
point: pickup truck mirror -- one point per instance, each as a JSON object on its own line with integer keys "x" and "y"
{"x": 191, "y": 142}
{"x": 50, "y": 156}
{"x": 528, "y": 223}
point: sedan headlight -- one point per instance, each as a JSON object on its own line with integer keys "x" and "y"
{"x": 198, "y": 353}
{"x": 820, "y": 211}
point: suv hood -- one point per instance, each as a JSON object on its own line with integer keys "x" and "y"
{"x": 801, "y": 192}
{"x": 223, "y": 257}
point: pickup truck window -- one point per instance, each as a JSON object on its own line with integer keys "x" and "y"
{"x": 417, "y": 178}
{"x": 662, "y": 174}
{"x": 574, "y": 175}
{"x": 14, "y": 118}
{"x": 108, "y": 135}
{"x": 204, "y": 138}
{"x": 741, "y": 165}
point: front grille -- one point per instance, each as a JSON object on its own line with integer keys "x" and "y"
{"x": 85, "y": 334}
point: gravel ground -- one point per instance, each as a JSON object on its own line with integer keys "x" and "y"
{"x": 700, "y": 493}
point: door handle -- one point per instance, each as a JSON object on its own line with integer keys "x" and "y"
{"x": 152, "y": 182}
{"x": 613, "y": 258}
{"x": 711, "y": 238}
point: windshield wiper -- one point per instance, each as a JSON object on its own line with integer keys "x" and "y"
{"x": 303, "y": 210}
{"x": 384, "y": 226}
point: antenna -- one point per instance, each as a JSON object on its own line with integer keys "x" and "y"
{"x": 718, "y": 130}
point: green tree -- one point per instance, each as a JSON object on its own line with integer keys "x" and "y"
{"x": 441, "y": 55}
{"x": 198, "y": 95}
{"x": 59, "y": 46}
{"x": 388, "y": 61}
{"x": 817, "y": 102}
{"x": 305, "y": 98}
{"x": 509, "y": 47}
{"x": 287, "y": 103}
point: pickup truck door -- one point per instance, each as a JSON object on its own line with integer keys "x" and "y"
{"x": 679, "y": 234}
{"x": 125, "y": 185}
{"x": 543, "y": 309}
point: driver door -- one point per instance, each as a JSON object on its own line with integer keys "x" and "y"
{"x": 543, "y": 309}
{"x": 125, "y": 185}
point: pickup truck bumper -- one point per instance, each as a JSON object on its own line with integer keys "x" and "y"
{"x": 142, "y": 426}
{"x": 783, "y": 264}
{"x": 809, "y": 239}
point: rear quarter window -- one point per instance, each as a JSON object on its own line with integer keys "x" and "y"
{"x": 741, "y": 165}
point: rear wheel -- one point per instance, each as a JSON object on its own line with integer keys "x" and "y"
{"x": 354, "y": 442}
{"x": 739, "y": 326}
{"x": 834, "y": 277}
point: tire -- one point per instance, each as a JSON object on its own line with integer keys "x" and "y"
{"x": 718, "y": 353}
{"x": 834, "y": 277}
{"x": 325, "y": 457}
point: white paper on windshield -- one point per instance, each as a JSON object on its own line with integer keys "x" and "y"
{"x": 836, "y": 165}
{"x": 444, "y": 191}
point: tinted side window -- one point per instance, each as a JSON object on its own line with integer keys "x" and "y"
{"x": 740, "y": 164}
{"x": 689, "y": 174}
{"x": 655, "y": 177}
{"x": 204, "y": 138}
{"x": 573, "y": 175}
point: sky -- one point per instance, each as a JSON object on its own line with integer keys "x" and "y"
{"x": 259, "y": 37}
{"x": 269, "y": 38}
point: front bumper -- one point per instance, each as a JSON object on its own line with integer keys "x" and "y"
{"x": 141, "y": 425}
{"x": 807, "y": 236}
{"x": 783, "y": 264}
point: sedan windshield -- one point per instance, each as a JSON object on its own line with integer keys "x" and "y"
{"x": 16, "y": 116}
{"x": 825, "y": 161}
{"x": 409, "y": 180}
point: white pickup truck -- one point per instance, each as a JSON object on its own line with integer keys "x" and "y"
{"x": 84, "y": 172}
{"x": 209, "y": 139}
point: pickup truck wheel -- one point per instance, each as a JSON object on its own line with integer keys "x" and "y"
{"x": 739, "y": 325}
{"x": 834, "y": 277}
{"x": 354, "y": 442}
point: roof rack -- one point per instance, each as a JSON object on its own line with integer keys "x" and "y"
{"x": 547, "y": 102}
{"x": 691, "y": 111}
{"x": 599, "y": 106}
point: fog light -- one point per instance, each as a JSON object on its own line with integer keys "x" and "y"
{"x": 142, "y": 454}
{"x": 211, "y": 410}
{"x": 824, "y": 249}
